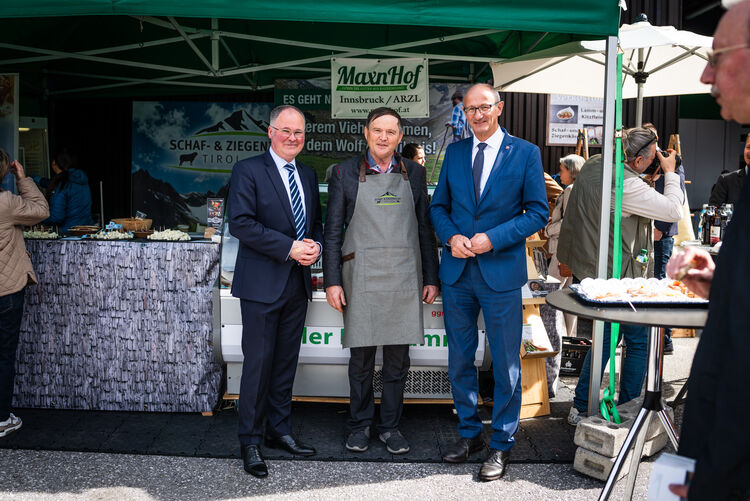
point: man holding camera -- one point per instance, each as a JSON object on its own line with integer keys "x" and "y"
{"x": 664, "y": 231}
{"x": 578, "y": 245}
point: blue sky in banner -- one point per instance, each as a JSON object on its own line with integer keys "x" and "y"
{"x": 193, "y": 145}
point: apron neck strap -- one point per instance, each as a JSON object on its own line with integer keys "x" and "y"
{"x": 401, "y": 166}
{"x": 363, "y": 166}
{"x": 362, "y": 169}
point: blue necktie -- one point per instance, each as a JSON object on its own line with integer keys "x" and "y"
{"x": 476, "y": 170}
{"x": 297, "y": 210}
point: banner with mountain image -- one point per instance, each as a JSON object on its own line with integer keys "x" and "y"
{"x": 183, "y": 153}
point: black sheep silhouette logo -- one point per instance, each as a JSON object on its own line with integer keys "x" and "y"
{"x": 188, "y": 157}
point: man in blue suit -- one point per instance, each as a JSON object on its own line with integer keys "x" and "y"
{"x": 274, "y": 212}
{"x": 490, "y": 197}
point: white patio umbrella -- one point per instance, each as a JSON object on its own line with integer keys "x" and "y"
{"x": 657, "y": 61}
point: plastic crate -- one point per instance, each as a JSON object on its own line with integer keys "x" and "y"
{"x": 574, "y": 350}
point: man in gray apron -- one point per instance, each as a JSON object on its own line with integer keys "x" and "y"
{"x": 379, "y": 263}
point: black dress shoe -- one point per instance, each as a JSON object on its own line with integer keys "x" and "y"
{"x": 494, "y": 466}
{"x": 253, "y": 461}
{"x": 462, "y": 448}
{"x": 290, "y": 444}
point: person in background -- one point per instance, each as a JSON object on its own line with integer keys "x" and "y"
{"x": 558, "y": 180}
{"x": 714, "y": 426}
{"x": 484, "y": 225}
{"x": 414, "y": 152}
{"x": 664, "y": 232}
{"x": 458, "y": 118}
{"x": 27, "y": 208}
{"x": 380, "y": 262}
{"x": 553, "y": 190}
{"x": 68, "y": 193}
{"x": 723, "y": 171}
{"x": 570, "y": 166}
{"x": 578, "y": 246}
{"x": 728, "y": 187}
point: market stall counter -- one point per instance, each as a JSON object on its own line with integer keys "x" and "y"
{"x": 119, "y": 325}
{"x": 323, "y": 362}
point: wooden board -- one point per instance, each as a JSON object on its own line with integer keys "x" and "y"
{"x": 533, "y": 300}
{"x": 345, "y": 400}
{"x": 534, "y": 394}
{"x": 683, "y": 332}
{"x": 535, "y": 243}
{"x": 535, "y": 399}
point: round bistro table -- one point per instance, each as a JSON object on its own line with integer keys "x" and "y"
{"x": 656, "y": 318}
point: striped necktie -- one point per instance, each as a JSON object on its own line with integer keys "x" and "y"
{"x": 297, "y": 210}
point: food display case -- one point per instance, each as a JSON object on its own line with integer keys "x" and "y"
{"x": 322, "y": 367}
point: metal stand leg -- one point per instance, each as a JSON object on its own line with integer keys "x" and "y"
{"x": 635, "y": 456}
{"x": 680, "y": 398}
{"x": 667, "y": 423}
{"x": 640, "y": 419}
{"x": 652, "y": 404}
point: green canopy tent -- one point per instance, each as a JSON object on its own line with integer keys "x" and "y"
{"x": 128, "y": 47}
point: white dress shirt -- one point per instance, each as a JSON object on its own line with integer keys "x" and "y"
{"x": 490, "y": 154}
{"x": 280, "y": 163}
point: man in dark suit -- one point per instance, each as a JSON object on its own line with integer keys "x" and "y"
{"x": 274, "y": 212}
{"x": 714, "y": 427}
{"x": 728, "y": 187}
{"x": 490, "y": 197}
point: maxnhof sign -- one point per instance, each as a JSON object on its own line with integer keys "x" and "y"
{"x": 361, "y": 85}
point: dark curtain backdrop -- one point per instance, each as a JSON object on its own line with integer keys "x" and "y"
{"x": 99, "y": 130}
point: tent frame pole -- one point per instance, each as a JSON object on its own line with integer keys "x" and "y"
{"x": 639, "y": 98}
{"x": 610, "y": 79}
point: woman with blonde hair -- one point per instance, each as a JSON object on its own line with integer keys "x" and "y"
{"x": 570, "y": 166}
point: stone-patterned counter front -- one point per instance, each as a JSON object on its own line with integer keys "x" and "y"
{"x": 121, "y": 326}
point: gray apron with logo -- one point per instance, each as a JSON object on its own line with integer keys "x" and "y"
{"x": 382, "y": 265}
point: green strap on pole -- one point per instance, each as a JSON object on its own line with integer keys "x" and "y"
{"x": 607, "y": 404}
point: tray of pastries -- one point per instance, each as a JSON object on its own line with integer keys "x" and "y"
{"x": 169, "y": 236}
{"x": 111, "y": 235}
{"x": 40, "y": 234}
{"x": 142, "y": 234}
{"x": 651, "y": 291}
{"x": 79, "y": 231}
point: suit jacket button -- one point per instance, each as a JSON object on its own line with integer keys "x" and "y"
{"x": 476, "y": 218}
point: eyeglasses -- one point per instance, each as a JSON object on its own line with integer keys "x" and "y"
{"x": 484, "y": 108}
{"x": 285, "y": 133}
{"x": 712, "y": 53}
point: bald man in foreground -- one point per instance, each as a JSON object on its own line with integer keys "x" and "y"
{"x": 714, "y": 429}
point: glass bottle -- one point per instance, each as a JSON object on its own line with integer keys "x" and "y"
{"x": 706, "y": 233}
{"x": 715, "y": 222}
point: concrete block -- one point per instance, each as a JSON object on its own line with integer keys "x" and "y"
{"x": 598, "y": 466}
{"x": 606, "y": 438}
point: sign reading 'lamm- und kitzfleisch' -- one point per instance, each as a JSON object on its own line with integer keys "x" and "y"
{"x": 361, "y": 85}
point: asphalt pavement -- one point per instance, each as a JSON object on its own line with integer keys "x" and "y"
{"x": 42, "y": 475}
